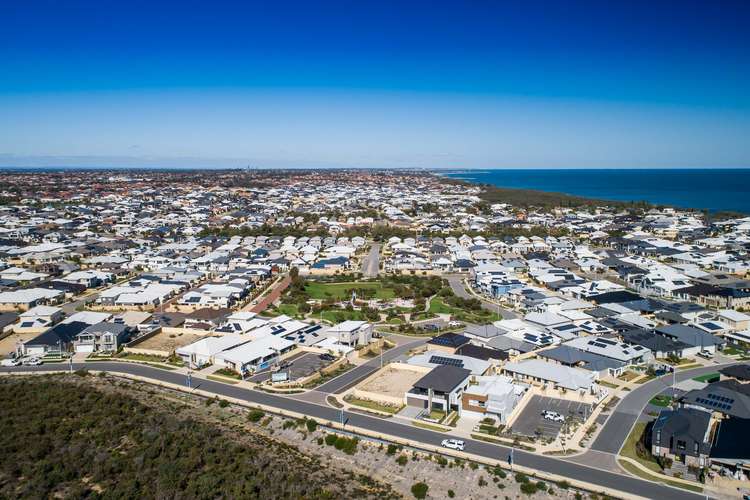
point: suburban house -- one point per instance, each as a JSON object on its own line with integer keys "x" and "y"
{"x": 440, "y": 389}
{"x": 56, "y": 340}
{"x": 683, "y": 435}
{"x": 564, "y": 378}
{"x": 101, "y": 337}
{"x": 254, "y": 355}
{"x": 492, "y": 396}
{"x": 697, "y": 339}
{"x": 351, "y": 333}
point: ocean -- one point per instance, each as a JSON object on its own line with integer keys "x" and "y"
{"x": 704, "y": 189}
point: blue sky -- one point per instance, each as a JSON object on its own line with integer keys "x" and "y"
{"x": 474, "y": 84}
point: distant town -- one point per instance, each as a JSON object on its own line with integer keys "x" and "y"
{"x": 402, "y": 321}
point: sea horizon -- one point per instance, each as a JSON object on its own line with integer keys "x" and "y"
{"x": 714, "y": 189}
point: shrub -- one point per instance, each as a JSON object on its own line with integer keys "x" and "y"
{"x": 499, "y": 472}
{"x": 402, "y": 460}
{"x": 330, "y": 439}
{"x": 320, "y": 441}
{"x": 482, "y": 482}
{"x": 392, "y": 448}
{"x": 223, "y": 403}
{"x": 451, "y": 493}
{"x": 541, "y": 486}
{"x": 528, "y": 488}
{"x": 521, "y": 477}
{"x": 564, "y": 485}
{"x": 255, "y": 415}
{"x": 289, "y": 423}
{"x": 312, "y": 425}
{"x": 419, "y": 490}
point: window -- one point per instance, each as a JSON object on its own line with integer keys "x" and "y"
{"x": 681, "y": 445}
{"x": 695, "y": 448}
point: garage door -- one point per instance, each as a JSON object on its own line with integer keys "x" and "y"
{"x": 84, "y": 348}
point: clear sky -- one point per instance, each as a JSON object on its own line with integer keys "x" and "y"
{"x": 434, "y": 84}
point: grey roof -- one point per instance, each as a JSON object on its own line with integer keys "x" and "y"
{"x": 443, "y": 378}
{"x": 728, "y": 397}
{"x": 689, "y": 335}
{"x": 571, "y": 356}
{"x": 484, "y": 331}
{"x": 505, "y": 343}
{"x": 684, "y": 424}
{"x": 116, "y": 328}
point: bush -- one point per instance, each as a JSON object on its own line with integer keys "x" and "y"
{"x": 521, "y": 477}
{"x": 330, "y": 439}
{"x": 392, "y": 448}
{"x": 255, "y": 415}
{"x": 223, "y": 403}
{"x": 499, "y": 472}
{"x": 563, "y": 485}
{"x": 402, "y": 460}
{"x": 419, "y": 490}
{"x": 451, "y": 493}
{"x": 528, "y": 488}
{"x": 482, "y": 482}
{"x": 312, "y": 425}
{"x": 541, "y": 486}
{"x": 320, "y": 441}
{"x": 347, "y": 445}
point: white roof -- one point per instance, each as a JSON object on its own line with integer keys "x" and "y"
{"x": 255, "y": 350}
{"x": 88, "y": 317}
{"x": 347, "y": 326}
{"x": 41, "y": 311}
{"x": 210, "y": 346}
{"x": 569, "y": 378}
{"x": 733, "y": 315}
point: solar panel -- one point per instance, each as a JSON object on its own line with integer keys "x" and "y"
{"x": 442, "y": 360}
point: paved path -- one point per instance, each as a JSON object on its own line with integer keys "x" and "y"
{"x": 371, "y": 263}
{"x": 355, "y": 375}
{"x": 417, "y": 435}
{"x": 457, "y": 285}
{"x": 272, "y": 296}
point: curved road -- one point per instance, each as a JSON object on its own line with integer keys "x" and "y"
{"x": 552, "y": 465}
{"x": 457, "y": 285}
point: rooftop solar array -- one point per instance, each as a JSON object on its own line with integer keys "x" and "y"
{"x": 442, "y": 360}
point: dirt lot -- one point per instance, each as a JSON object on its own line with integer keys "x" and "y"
{"x": 8, "y": 344}
{"x": 391, "y": 382}
{"x": 167, "y": 342}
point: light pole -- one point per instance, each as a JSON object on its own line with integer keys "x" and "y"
{"x": 342, "y": 417}
{"x": 190, "y": 379}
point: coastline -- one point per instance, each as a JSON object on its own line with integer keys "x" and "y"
{"x": 719, "y": 191}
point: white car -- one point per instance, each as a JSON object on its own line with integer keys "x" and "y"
{"x": 32, "y": 362}
{"x": 553, "y": 415}
{"x": 11, "y": 362}
{"x": 453, "y": 444}
{"x": 706, "y": 354}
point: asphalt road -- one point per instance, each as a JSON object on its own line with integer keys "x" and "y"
{"x": 457, "y": 285}
{"x": 355, "y": 375}
{"x": 618, "y": 426}
{"x": 389, "y": 426}
{"x": 371, "y": 263}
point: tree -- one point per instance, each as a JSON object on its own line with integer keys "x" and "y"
{"x": 419, "y": 490}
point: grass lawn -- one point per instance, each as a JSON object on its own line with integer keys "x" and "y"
{"x": 734, "y": 351}
{"x": 629, "y": 375}
{"x": 290, "y": 310}
{"x": 661, "y": 400}
{"x": 341, "y": 291}
{"x": 652, "y": 477}
{"x": 339, "y": 315}
{"x": 437, "y": 306}
{"x": 429, "y": 427}
{"x": 222, "y": 379}
{"x": 629, "y": 448}
{"x": 607, "y": 384}
{"x": 708, "y": 377}
{"x": 372, "y": 405}
{"x": 689, "y": 366}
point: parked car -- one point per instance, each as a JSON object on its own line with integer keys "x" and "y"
{"x": 11, "y": 362}
{"x": 706, "y": 354}
{"x": 327, "y": 357}
{"x": 32, "y": 361}
{"x": 553, "y": 415}
{"x": 453, "y": 444}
